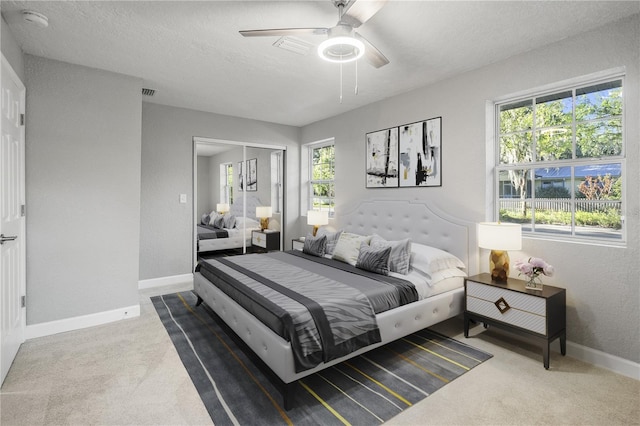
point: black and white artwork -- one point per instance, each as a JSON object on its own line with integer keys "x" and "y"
{"x": 252, "y": 174}
{"x": 420, "y": 153}
{"x": 382, "y": 159}
{"x": 240, "y": 176}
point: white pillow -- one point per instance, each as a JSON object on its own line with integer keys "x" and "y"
{"x": 348, "y": 247}
{"x": 400, "y": 253}
{"x": 428, "y": 260}
{"x": 444, "y": 274}
{"x": 247, "y": 221}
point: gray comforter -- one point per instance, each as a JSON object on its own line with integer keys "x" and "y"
{"x": 325, "y": 308}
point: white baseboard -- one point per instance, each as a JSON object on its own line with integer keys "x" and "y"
{"x": 76, "y": 323}
{"x": 162, "y": 281}
{"x": 603, "y": 360}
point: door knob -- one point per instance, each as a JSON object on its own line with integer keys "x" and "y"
{"x": 3, "y": 238}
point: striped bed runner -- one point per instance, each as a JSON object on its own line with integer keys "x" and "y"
{"x": 368, "y": 389}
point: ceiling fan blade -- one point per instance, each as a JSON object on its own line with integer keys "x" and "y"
{"x": 284, "y": 32}
{"x": 357, "y": 13}
{"x": 371, "y": 53}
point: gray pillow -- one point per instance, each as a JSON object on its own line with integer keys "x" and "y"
{"x": 218, "y": 222}
{"x": 205, "y": 219}
{"x": 374, "y": 259}
{"x": 229, "y": 221}
{"x": 315, "y": 246}
{"x": 400, "y": 259}
{"x": 332, "y": 239}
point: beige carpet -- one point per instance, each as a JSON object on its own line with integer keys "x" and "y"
{"x": 129, "y": 373}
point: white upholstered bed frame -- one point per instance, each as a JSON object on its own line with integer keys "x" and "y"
{"x": 392, "y": 220}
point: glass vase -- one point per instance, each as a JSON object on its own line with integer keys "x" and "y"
{"x": 534, "y": 283}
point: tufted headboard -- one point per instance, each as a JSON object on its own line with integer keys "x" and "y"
{"x": 252, "y": 203}
{"x": 396, "y": 220}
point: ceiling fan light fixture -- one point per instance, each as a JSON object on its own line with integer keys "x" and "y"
{"x": 341, "y": 49}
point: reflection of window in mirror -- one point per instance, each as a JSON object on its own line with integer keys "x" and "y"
{"x": 276, "y": 181}
{"x": 226, "y": 183}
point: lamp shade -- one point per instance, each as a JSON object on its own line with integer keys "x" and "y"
{"x": 500, "y": 236}
{"x": 222, "y": 207}
{"x": 264, "y": 211}
{"x": 317, "y": 217}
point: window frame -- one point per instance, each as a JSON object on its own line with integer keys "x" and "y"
{"x": 494, "y": 142}
{"x": 310, "y": 181}
{"x": 226, "y": 177}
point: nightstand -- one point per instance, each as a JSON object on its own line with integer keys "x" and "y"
{"x": 297, "y": 244}
{"x": 538, "y": 315}
{"x": 266, "y": 240}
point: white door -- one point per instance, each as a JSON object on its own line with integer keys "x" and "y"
{"x": 12, "y": 250}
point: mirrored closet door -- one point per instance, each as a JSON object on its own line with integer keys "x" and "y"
{"x": 238, "y": 196}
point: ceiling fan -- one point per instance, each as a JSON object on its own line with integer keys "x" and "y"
{"x": 343, "y": 44}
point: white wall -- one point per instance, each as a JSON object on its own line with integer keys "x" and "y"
{"x": 83, "y": 190}
{"x": 602, "y": 282}
{"x": 166, "y": 238}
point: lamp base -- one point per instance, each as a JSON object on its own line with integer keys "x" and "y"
{"x": 499, "y": 265}
{"x": 315, "y": 229}
{"x": 264, "y": 223}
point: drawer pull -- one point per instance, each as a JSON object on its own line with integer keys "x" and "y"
{"x": 502, "y": 305}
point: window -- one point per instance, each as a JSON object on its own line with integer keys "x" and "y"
{"x": 321, "y": 177}
{"x": 226, "y": 183}
{"x": 560, "y": 163}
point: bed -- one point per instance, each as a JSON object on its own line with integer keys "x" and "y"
{"x": 210, "y": 238}
{"x": 391, "y": 220}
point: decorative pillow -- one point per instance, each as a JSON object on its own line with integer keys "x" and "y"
{"x": 428, "y": 260}
{"x": 332, "y": 238}
{"x": 400, "y": 258}
{"x": 374, "y": 259}
{"x": 205, "y": 219}
{"x": 229, "y": 220}
{"x": 217, "y": 221}
{"x": 315, "y": 246}
{"x": 348, "y": 247}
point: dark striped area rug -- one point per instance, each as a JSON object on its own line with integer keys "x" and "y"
{"x": 365, "y": 390}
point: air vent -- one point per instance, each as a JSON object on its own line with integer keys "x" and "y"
{"x": 293, "y": 44}
{"x": 148, "y": 92}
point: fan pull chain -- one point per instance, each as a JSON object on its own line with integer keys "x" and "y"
{"x": 356, "y": 89}
{"x": 340, "y": 82}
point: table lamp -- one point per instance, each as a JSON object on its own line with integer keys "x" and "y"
{"x": 264, "y": 213}
{"x": 499, "y": 237}
{"x": 317, "y": 218}
{"x": 222, "y": 208}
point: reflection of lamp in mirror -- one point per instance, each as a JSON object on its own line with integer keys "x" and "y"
{"x": 499, "y": 237}
{"x": 317, "y": 218}
{"x": 264, "y": 213}
{"x": 222, "y": 208}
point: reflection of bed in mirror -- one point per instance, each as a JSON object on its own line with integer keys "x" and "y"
{"x": 390, "y": 220}
{"x": 211, "y": 238}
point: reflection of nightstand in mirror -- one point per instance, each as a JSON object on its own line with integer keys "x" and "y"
{"x": 266, "y": 240}
{"x": 297, "y": 244}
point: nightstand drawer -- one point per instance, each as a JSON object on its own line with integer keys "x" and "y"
{"x": 513, "y": 316}
{"x": 259, "y": 239}
{"x": 524, "y": 302}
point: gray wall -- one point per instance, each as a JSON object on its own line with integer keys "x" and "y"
{"x": 602, "y": 282}
{"x": 206, "y": 202}
{"x": 11, "y": 50}
{"x": 83, "y": 189}
{"x": 166, "y": 241}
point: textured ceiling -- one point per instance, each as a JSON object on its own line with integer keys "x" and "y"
{"x": 193, "y": 55}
